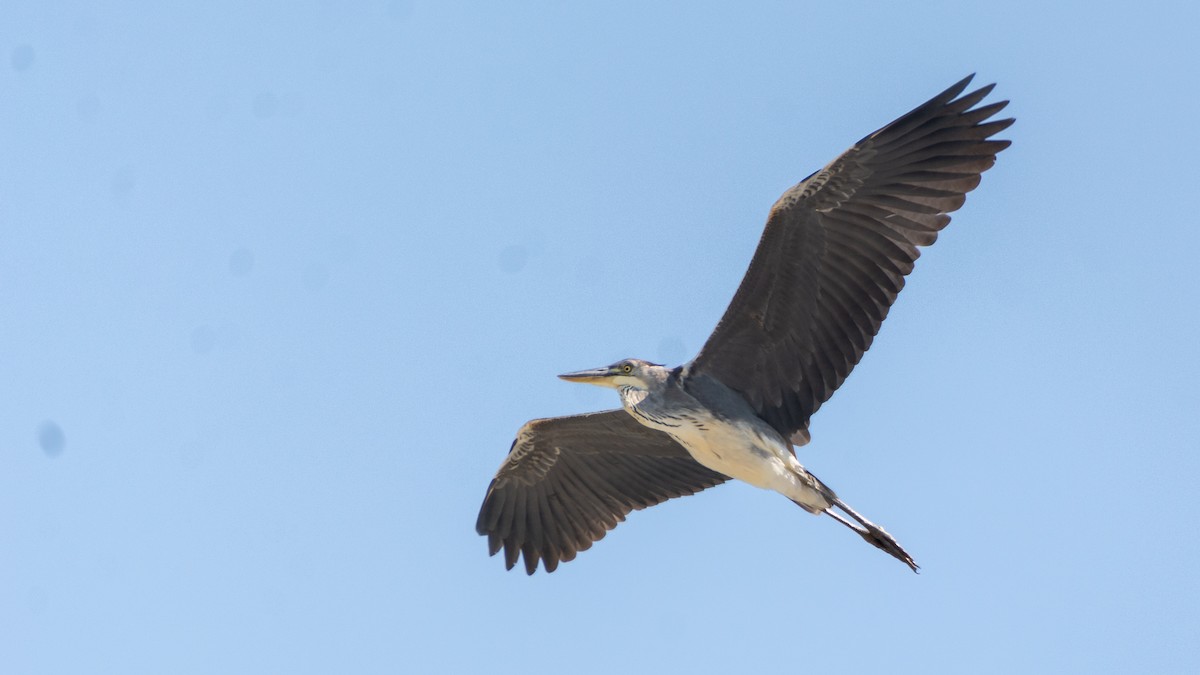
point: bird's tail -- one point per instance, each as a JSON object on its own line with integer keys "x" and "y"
{"x": 872, "y": 533}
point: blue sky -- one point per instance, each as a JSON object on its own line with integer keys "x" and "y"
{"x": 280, "y": 281}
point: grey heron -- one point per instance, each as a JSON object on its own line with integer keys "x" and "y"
{"x": 830, "y": 263}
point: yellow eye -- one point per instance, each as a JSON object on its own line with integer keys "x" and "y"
{"x": 627, "y": 369}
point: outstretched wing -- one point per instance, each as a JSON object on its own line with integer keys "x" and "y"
{"x": 836, "y": 250}
{"x": 569, "y": 480}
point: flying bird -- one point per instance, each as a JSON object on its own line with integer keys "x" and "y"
{"x": 831, "y": 261}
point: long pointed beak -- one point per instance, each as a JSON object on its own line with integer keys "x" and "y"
{"x": 593, "y": 376}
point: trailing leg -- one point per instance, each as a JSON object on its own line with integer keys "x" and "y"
{"x": 872, "y": 533}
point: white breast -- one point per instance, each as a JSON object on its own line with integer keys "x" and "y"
{"x": 739, "y": 451}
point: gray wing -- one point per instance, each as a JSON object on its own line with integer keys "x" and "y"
{"x": 835, "y": 252}
{"x": 568, "y": 480}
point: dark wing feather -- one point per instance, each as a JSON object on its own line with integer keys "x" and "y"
{"x": 567, "y": 481}
{"x": 836, "y": 250}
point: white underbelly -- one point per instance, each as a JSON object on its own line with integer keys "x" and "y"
{"x": 743, "y": 453}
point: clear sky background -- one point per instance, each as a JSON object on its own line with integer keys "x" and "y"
{"x": 280, "y": 281}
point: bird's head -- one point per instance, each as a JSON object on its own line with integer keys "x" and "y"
{"x": 634, "y": 373}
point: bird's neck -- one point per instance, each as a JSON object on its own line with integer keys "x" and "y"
{"x": 632, "y": 397}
